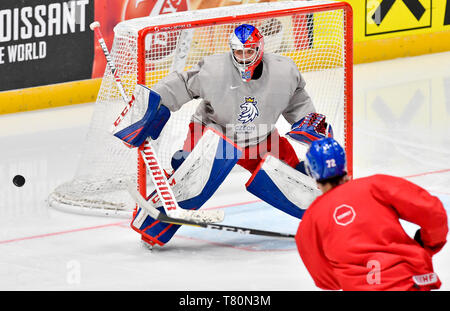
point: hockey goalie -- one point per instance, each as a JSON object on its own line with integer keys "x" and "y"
{"x": 243, "y": 94}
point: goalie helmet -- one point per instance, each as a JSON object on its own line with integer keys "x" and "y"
{"x": 247, "y": 47}
{"x": 325, "y": 159}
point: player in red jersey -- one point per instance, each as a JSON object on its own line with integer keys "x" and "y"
{"x": 350, "y": 237}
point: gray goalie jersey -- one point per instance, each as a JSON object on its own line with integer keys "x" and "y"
{"x": 245, "y": 112}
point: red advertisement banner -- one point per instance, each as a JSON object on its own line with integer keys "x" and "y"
{"x": 111, "y": 12}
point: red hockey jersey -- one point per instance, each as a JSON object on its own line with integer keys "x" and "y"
{"x": 350, "y": 237}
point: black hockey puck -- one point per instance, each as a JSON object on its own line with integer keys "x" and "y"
{"x": 19, "y": 180}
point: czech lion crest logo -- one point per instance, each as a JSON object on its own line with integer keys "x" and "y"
{"x": 249, "y": 111}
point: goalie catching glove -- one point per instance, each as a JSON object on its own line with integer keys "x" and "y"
{"x": 151, "y": 124}
{"x": 310, "y": 128}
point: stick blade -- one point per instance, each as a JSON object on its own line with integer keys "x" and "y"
{"x": 206, "y": 216}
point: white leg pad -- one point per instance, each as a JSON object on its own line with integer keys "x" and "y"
{"x": 203, "y": 171}
{"x": 283, "y": 186}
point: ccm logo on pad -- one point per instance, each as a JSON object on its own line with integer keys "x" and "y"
{"x": 344, "y": 215}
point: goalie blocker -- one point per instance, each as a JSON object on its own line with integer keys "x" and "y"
{"x": 151, "y": 124}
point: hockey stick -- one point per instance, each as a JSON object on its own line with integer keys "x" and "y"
{"x": 152, "y": 163}
{"x": 156, "y": 214}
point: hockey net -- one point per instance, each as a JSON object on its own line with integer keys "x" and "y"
{"x": 317, "y": 35}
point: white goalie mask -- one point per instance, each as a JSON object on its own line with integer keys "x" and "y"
{"x": 247, "y": 47}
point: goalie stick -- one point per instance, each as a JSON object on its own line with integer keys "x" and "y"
{"x": 162, "y": 186}
{"x": 156, "y": 214}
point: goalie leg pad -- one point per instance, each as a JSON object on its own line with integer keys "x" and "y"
{"x": 194, "y": 182}
{"x": 178, "y": 158}
{"x": 282, "y": 186}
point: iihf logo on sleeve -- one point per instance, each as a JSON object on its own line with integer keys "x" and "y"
{"x": 249, "y": 111}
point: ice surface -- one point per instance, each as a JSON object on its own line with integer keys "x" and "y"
{"x": 401, "y": 127}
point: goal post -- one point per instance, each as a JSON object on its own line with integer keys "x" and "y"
{"x": 316, "y": 35}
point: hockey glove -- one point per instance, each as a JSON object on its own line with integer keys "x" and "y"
{"x": 431, "y": 249}
{"x": 310, "y": 128}
{"x": 151, "y": 124}
{"x": 418, "y": 238}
